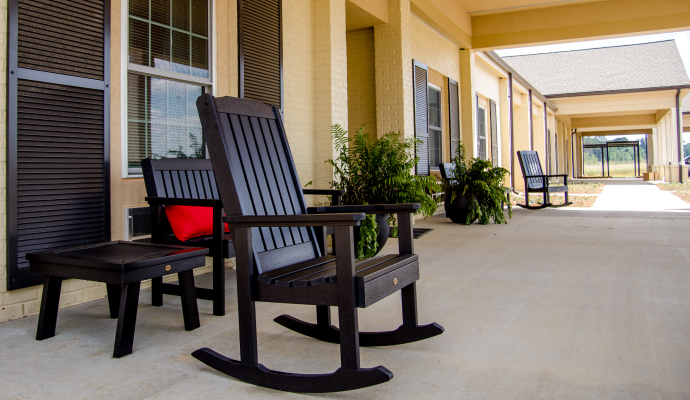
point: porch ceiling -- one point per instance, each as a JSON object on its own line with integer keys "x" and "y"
{"x": 561, "y": 22}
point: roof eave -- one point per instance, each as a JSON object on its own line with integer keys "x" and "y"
{"x": 602, "y": 92}
{"x": 498, "y": 60}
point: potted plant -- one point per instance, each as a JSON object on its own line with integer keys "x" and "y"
{"x": 378, "y": 171}
{"x": 474, "y": 191}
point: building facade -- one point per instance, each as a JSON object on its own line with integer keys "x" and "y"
{"x": 92, "y": 87}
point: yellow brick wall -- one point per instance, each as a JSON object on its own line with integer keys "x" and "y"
{"x": 330, "y": 79}
{"x": 361, "y": 81}
{"x": 433, "y": 49}
{"x": 393, "y": 68}
{"x": 298, "y": 84}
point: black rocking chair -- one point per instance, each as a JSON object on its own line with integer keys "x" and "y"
{"x": 279, "y": 258}
{"x": 537, "y": 182}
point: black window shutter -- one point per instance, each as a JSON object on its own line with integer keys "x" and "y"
{"x": 420, "y": 74}
{"x": 454, "y": 114}
{"x": 494, "y": 133}
{"x": 260, "y": 51}
{"x": 58, "y": 129}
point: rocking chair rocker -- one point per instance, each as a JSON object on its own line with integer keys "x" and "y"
{"x": 279, "y": 258}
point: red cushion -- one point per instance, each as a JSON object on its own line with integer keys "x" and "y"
{"x": 191, "y": 221}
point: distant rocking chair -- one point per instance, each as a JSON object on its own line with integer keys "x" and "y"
{"x": 279, "y": 258}
{"x": 537, "y": 182}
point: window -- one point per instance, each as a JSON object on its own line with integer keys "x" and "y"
{"x": 435, "y": 127}
{"x": 481, "y": 132}
{"x": 168, "y": 69}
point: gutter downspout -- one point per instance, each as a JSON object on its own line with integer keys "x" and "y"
{"x": 680, "y": 137}
{"x": 510, "y": 126}
{"x": 529, "y": 120}
{"x": 547, "y": 140}
{"x": 572, "y": 151}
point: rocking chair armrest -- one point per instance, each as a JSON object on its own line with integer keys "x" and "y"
{"x": 334, "y": 193}
{"x": 328, "y": 192}
{"x": 170, "y": 201}
{"x": 368, "y": 209}
{"x": 250, "y": 221}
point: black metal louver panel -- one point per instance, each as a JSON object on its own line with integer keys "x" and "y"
{"x": 494, "y": 132}
{"x": 62, "y": 37}
{"x": 60, "y": 161}
{"x": 260, "y": 51}
{"x": 454, "y": 115}
{"x": 421, "y": 115}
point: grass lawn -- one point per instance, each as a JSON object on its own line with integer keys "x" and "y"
{"x": 681, "y": 190}
{"x": 616, "y": 170}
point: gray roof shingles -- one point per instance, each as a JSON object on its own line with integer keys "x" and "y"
{"x": 637, "y": 66}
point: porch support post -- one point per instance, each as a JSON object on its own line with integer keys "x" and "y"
{"x": 393, "y": 71}
{"x": 330, "y": 82}
{"x": 468, "y": 102}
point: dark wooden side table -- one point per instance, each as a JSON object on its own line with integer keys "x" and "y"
{"x": 122, "y": 266}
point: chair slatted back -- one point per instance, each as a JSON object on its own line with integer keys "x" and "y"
{"x": 446, "y": 170}
{"x": 256, "y": 175}
{"x": 180, "y": 178}
{"x": 530, "y": 165}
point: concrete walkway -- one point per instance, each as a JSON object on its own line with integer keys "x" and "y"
{"x": 634, "y": 194}
{"x": 555, "y": 305}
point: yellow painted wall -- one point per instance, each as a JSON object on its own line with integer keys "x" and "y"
{"x": 393, "y": 69}
{"x": 434, "y": 50}
{"x": 361, "y": 81}
{"x": 298, "y": 84}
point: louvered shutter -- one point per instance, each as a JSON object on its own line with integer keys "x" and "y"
{"x": 420, "y": 74}
{"x": 58, "y": 149}
{"x": 494, "y": 133}
{"x": 260, "y": 51}
{"x": 454, "y": 115}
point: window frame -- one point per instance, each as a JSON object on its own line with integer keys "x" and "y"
{"x": 206, "y": 84}
{"x": 439, "y": 129}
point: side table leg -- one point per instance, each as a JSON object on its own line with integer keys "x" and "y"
{"x": 190, "y": 310}
{"x": 157, "y": 292}
{"x": 127, "y": 319}
{"x": 113, "y": 298}
{"x": 50, "y": 300}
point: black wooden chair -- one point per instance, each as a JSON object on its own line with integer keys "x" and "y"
{"x": 446, "y": 170}
{"x": 537, "y": 182}
{"x": 187, "y": 182}
{"x": 279, "y": 259}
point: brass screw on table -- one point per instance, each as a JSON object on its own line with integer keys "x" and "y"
{"x": 395, "y": 281}
{"x": 168, "y": 268}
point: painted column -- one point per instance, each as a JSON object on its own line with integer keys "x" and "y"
{"x": 330, "y": 78}
{"x": 504, "y": 108}
{"x": 393, "y": 69}
{"x": 468, "y": 103}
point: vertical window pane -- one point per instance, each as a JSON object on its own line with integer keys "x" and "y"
{"x": 435, "y": 150}
{"x": 200, "y": 17}
{"x": 434, "y": 97}
{"x": 180, "y": 14}
{"x": 175, "y": 126}
{"x": 139, "y": 8}
{"x": 180, "y": 52}
{"x": 138, "y": 42}
{"x": 160, "y": 47}
{"x": 199, "y": 57}
{"x": 481, "y": 133}
{"x": 160, "y": 11}
{"x": 172, "y": 128}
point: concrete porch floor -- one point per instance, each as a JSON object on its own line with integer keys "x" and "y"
{"x": 557, "y": 304}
